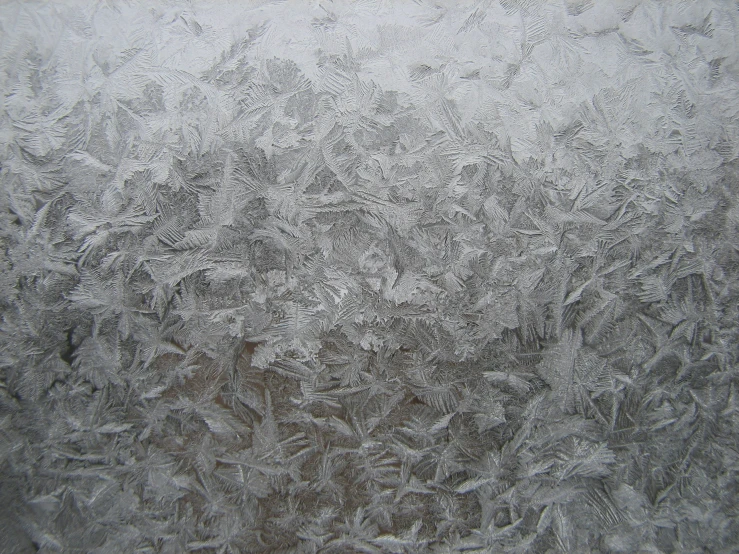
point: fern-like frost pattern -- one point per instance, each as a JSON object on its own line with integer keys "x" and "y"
{"x": 369, "y": 276}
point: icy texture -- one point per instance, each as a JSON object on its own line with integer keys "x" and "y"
{"x": 369, "y": 277}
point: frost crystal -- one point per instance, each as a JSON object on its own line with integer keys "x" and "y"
{"x": 369, "y": 276}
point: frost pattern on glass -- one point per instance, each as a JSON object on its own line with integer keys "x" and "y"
{"x": 369, "y": 277}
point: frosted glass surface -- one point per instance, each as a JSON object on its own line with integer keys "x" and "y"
{"x": 374, "y": 276}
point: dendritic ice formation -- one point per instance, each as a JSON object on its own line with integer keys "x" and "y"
{"x": 414, "y": 276}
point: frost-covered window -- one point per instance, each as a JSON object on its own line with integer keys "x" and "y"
{"x": 374, "y": 276}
